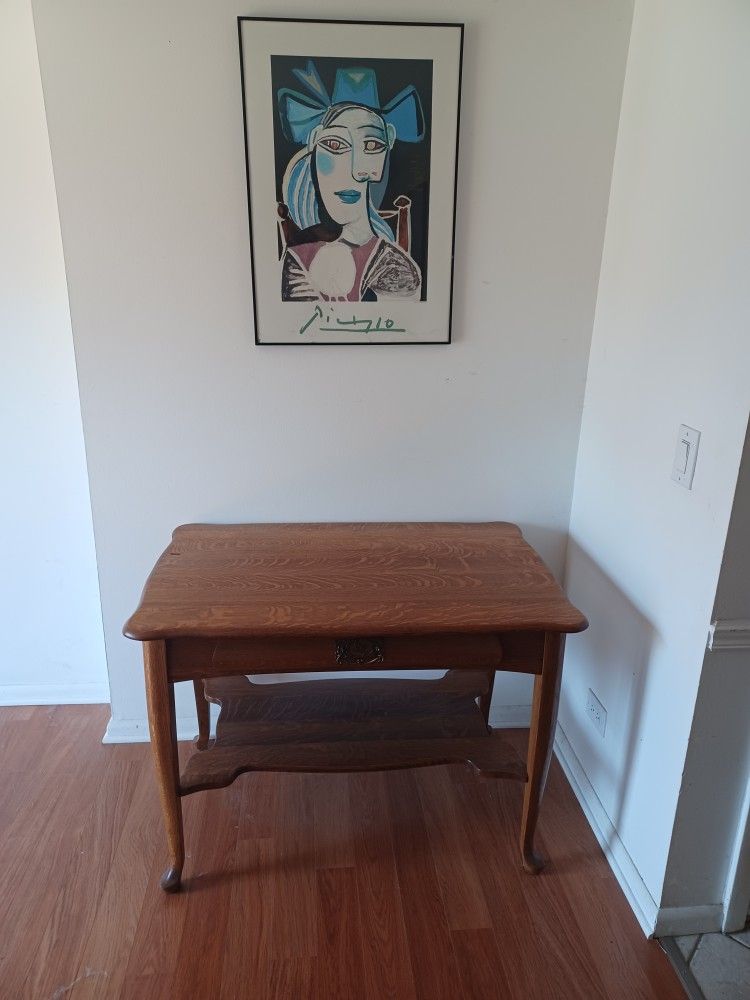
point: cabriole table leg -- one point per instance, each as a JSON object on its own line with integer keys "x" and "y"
{"x": 161, "y": 721}
{"x": 541, "y": 739}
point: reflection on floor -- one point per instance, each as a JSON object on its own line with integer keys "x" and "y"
{"x": 712, "y": 966}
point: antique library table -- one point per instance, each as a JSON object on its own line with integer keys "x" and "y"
{"x": 227, "y": 601}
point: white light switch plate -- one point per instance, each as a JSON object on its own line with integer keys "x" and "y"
{"x": 685, "y": 456}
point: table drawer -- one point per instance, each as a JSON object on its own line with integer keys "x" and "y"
{"x": 212, "y": 658}
{"x": 357, "y": 653}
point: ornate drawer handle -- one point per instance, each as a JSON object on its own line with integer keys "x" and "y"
{"x": 359, "y": 651}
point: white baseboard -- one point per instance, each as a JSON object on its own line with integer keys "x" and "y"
{"x": 510, "y": 716}
{"x": 126, "y": 731}
{"x": 729, "y": 634}
{"x": 672, "y": 921}
{"x": 136, "y": 730}
{"x": 636, "y": 892}
{"x": 54, "y": 694}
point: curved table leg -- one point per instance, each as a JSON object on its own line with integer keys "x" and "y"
{"x": 204, "y": 719}
{"x": 541, "y": 739}
{"x": 161, "y": 722}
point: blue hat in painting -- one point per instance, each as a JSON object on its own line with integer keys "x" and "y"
{"x": 300, "y": 113}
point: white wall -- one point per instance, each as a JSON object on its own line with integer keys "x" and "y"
{"x": 712, "y": 803}
{"x": 733, "y": 593}
{"x": 186, "y": 420}
{"x": 53, "y": 649}
{"x": 670, "y": 345}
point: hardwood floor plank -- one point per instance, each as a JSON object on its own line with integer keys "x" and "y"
{"x": 209, "y": 885}
{"x": 158, "y": 935}
{"x": 73, "y": 739}
{"x": 58, "y": 956}
{"x": 16, "y": 713}
{"x": 38, "y": 844}
{"x": 249, "y": 941}
{"x": 385, "y": 946}
{"x": 332, "y": 821}
{"x": 21, "y": 738}
{"x": 481, "y": 966}
{"x": 338, "y": 968}
{"x": 450, "y": 842}
{"x": 295, "y": 911}
{"x": 525, "y": 908}
{"x": 433, "y": 960}
{"x": 147, "y": 987}
{"x": 110, "y": 940}
{"x": 13, "y": 789}
{"x": 260, "y": 797}
{"x": 283, "y": 979}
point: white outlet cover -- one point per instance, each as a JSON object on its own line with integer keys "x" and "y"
{"x": 596, "y": 712}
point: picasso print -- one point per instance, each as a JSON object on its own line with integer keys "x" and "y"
{"x": 358, "y": 255}
{"x": 346, "y": 230}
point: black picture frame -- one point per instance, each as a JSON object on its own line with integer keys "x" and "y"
{"x": 368, "y": 24}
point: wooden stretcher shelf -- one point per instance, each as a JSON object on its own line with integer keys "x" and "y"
{"x": 348, "y": 724}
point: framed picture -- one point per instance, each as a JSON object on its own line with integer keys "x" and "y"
{"x": 351, "y": 144}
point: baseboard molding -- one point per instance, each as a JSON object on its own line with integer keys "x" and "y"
{"x": 733, "y": 633}
{"x": 136, "y": 730}
{"x": 636, "y": 892}
{"x": 54, "y": 694}
{"x": 127, "y": 731}
{"x": 510, "y": 716}
{"x": 673, "y": 921}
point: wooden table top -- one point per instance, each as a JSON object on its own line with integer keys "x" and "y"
{"x": 365, "y": 579}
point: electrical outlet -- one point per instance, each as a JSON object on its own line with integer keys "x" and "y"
{"x": 596, "y": 712}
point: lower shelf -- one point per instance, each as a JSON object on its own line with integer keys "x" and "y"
{"x": 348, "y": 725}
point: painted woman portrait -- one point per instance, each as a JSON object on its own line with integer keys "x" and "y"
{"x": 353, "y": 205}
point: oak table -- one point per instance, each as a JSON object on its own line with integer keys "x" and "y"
{"x": 226, "y": 602}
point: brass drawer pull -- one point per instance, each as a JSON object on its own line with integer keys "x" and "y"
{"x": 359, "y": 651}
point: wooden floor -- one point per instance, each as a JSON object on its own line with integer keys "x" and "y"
{"x": 400, "y": 885}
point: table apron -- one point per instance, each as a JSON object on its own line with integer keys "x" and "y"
{"x": 192, "y": 658}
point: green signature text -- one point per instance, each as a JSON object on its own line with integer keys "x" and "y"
{"x": 378, "y": 324}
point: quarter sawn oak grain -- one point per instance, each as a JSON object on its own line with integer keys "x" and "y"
{"x": 349, "y": 579}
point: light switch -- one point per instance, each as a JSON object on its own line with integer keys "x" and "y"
{"x": 681, "y": 458}
{"x": 685, "y": 456}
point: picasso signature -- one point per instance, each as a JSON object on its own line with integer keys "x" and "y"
{"x": 353, "y": 325}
